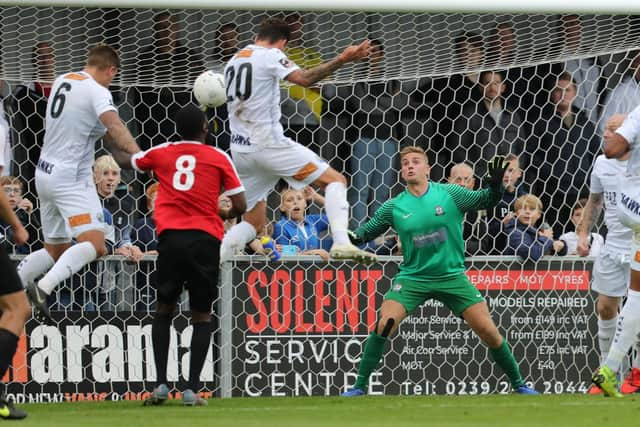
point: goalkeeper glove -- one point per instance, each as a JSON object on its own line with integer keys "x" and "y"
{"x": 495, "y": 172}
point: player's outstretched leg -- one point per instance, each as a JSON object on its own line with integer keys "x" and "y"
{"x": 478, "y": 318}
{"x": 391, "y": 314}
{"x": 337, "y": 209}
{"x": 626, "y": 332}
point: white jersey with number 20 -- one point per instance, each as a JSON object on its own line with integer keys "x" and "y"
{"x": 252, "y": 78}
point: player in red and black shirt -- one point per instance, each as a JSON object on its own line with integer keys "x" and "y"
{"x": 189, "y": 225}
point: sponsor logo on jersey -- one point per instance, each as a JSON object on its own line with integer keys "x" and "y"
{"x": 436, "y": 237}
{"x": 632, "y": 205}
{"x": 407, "y": 215}
{"x": 397, "y": 287}
{"x": 285, "y": 63}
{"x": 240, "y": 140}
{"x": 439, "y": 211}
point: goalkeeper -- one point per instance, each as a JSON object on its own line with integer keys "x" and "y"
{"x": 428, "y": 219}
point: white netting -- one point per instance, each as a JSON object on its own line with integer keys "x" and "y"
{"x": 426, "y": 90}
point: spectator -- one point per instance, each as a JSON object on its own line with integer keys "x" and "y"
{"x": 500, "y": 216}
{"x": 487, "y": 128}
{"x": 106, "y": 174}
{"x": 474, "y": 230}
{"x": 375, "y": 108}
{"x": 301, "y": 107}
{"x": 438, "y": 102}
{"x": 296, "y": 228}
{"x": 562, "y": 150}
{"x": 143, "y": 233}
{"x": 585, "y": 72}
{"x": 226, "y": 46}
{"x": 144, "y": 236}
{"x": 527, "y": 240}
{"x": 596, "y": 241}
{"x": 28, "y": 105}
{"x": 14, "y": 187}
{"x": 164, "y": 61}
{"x": 626, "y": 96}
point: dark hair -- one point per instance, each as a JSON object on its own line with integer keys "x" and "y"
{"x": 490, "y": 73}
{"x": 103, "y": 56}
{"x": 471, "y": 38}
{"x": 273, "y": 30}
{"x": 189, "y": 122}
{"x": 35, "y": 52}
{"x": 224, "y": 28}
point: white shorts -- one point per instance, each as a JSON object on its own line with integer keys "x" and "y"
{"x": 611, "y": 273}
{"x": 260, "y": 170}
{"x": 67, "y": 207}
{"x": 628, "y": 210}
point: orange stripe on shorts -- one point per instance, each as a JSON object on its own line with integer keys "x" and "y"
{"x": 305, "y": 171}
{"x": 78, "y": 220}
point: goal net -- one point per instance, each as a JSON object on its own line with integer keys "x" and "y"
{"x": 464, "y": 86}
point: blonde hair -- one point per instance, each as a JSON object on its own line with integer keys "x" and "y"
{"x": 12, "y": 180}
{"x": 528, "y": 201}
{"x": 413, "y": 149}
{"x": 105, "y": 163}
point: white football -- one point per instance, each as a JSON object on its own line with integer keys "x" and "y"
{"x": 209, "y": 89}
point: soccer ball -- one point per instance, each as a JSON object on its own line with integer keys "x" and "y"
{"x": 209, "y": 89}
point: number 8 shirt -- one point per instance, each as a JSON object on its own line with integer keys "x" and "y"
{"x": 192, "y": 176}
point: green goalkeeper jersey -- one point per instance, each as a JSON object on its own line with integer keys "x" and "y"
{"x": 429, "y": 228}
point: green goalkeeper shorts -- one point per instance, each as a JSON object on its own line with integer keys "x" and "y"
{"x": 457, "y": 293}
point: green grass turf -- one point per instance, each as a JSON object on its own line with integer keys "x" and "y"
{"x": 396, "y": 411}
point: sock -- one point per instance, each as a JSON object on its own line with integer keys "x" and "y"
{"x": 337, "y": 209}
{"x": 200, "y": 343}
{"x": 8, "y": 345}
{"x": 160, "y": 335}
{"x": 69, "y": 263}
{"x": 626, "y": 331}
{"x": 371, "y": 356}
{"x": 34, "y": 265}
{"x": 504, "y": 358}
{"x": 236, "y": 239}
{"x": 606, "y": 331}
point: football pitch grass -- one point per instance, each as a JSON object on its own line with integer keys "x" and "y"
{"x": 395, "y": 411}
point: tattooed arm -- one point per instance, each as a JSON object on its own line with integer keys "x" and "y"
{"x": 590, "y": 215}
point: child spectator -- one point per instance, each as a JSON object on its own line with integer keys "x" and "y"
{"x": 144, "y": 236}
{"x": 298, "y": 229}
{"x": 143, "y": 233}
{"x": 571, "y": 238}
{"x": 524, "y": 238}
{"x": 14, "y": 188}
{"x": 106, "y": 174}
{"x": 502, "y": 213}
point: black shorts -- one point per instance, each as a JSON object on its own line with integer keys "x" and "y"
{"x": 9, "y": 279}
{"x": 189, "y": 259}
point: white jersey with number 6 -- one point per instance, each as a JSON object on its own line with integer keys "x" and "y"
{"x": 252, "y": 78}
{"x": 73, "y": 123}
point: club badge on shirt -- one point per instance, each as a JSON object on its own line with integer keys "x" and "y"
{"x": 439, "y": 211}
